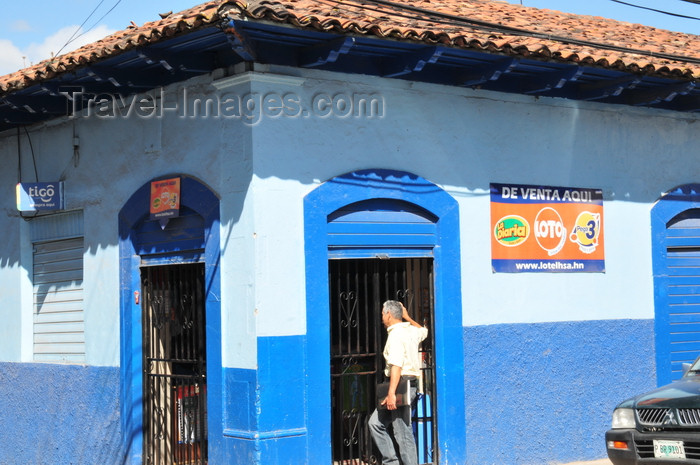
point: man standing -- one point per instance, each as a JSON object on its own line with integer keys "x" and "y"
{"x": 402, "y": 361}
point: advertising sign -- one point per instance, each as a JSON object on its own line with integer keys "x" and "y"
{"x": 165, "y": 199}
{"x": 543, "y": 229}
{"x": 40, "y": 196}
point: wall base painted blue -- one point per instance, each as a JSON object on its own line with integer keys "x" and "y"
{"x": 535, "y": 393}
{"x": 544, "y": 393}
{"x": 59, "y": 414}
{"x": 264, "y": 409}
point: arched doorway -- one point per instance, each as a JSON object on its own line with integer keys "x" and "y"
{"x": 676, "y": 264}
{"x": 170, "y": 328}
{"x": 356, "y": 221}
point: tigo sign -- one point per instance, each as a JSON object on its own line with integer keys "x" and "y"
{"x": 40, "y": 196}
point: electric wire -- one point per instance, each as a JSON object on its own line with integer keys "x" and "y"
{"x": 98, "y": 21}
{"x": 19, "y": 155}
{"x": 19, "y": 165}
{"x": 656, "y": 11}
{"x": 71, "y": 38}
{"x": 75, "y": 37}
{"x": 335, "y": 3}
{"x": 31, "y": 148}
{"x": 451, "y": 19}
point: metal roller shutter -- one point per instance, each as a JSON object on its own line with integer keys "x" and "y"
{"x": 58, "y": 290}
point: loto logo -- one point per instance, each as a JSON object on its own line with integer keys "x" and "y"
{"x": 511, "y": 230}
{"x": 550, "y": 232}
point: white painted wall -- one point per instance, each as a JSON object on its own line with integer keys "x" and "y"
{"x": 460, "y": 139}
{"x": 463, "y": 140}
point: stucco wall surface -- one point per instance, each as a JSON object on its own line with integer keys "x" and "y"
{"x": 534, "y": 341}
{"x": 543, "y": 393}
{"x": 463, "y": 140}
{"x": 54, "y": 414}
{"x": 261, "y": 168}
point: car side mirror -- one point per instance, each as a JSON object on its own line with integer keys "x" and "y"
{"x": 686, "y": 367}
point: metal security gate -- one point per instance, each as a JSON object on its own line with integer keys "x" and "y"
{"x": 358, "y": 288}
{"x": 174, "y": 363}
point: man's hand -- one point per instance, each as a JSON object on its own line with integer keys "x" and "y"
{"x": 405, "y": 315}
{"x": 390, "y": 401}
{"x": 394, "y": 378}
{"x": 408, "y": 318}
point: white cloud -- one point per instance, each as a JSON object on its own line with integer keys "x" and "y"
{"x": 13, "y": 59}
{"x": 56, "y": 42}
{"x": 10, "y": 57}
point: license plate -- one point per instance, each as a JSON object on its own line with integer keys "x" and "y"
{"x": 669, "y": 449}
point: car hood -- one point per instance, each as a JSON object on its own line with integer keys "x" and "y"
{"x": 684, "y": 393}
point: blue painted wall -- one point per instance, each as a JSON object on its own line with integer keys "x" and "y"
{"x": 59, "y": 414}
{"x": 264, "y": 409}
{"x": 261, "y": 174}
{"x": 530, "y": 389}
{"x": 544, "y": 393}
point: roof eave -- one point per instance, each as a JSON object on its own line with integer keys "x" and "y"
{"x": 159, "y": 60}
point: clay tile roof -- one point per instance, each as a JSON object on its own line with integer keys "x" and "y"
{"x": 133, "y": 36}
{"x": 487, "y": 25}
{"x": 497, "y": 27}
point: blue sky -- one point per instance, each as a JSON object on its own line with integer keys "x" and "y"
{"x": 31, "y": 30}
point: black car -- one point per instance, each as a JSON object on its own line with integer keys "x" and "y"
{"x": 659, "y": 427}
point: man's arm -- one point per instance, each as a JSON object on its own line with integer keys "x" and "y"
{"x": 394, "y": 378}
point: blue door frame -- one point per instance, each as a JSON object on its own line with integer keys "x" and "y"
{"x": 199, "y": 199}
{"x": 361, "y": 186}
{"x": 668, "y": 207}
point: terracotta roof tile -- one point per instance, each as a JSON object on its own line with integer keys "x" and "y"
{"x": 119, "y": 42}
{"x": 388, "y": 20}
{"x": 553, "y": 35}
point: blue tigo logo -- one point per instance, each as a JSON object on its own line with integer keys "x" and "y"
{"x": 40, "y": 196}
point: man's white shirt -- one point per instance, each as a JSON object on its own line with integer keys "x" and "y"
{"x": 401, "y": 348}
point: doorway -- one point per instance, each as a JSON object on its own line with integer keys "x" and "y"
{"x": 677, "y": 293}
{"x": 357, "y": 290}
{"x": 174, "y": 365}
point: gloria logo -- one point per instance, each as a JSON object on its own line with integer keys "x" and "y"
{"x": 512, "y": 230}
{"x": 550, "y": 232}
{"x": 586, "y": 231}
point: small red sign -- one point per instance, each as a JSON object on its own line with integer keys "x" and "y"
{"x": 165, "y": 198}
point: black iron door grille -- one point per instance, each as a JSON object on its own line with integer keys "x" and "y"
{"x": 174, "y": 364}
{"x": 358, "y": 289}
